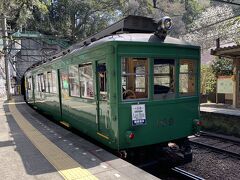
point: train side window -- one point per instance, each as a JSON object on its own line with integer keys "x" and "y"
{"x": 49, "y": 82}
{"x": 40, "y": 83}
{"x": 102, "y": 80}
{"x": 74, "y": 81}
{"x": 54, "y": 81}
{"x": 43, "y": 82}
{"x": 29, "y": 83}
{"x": 134, "y": 78}
{"x": 86, "y": 80}
{"x": 164, "y": 81}
{"x": 187, "y": 77}
{"x": 37, "y": 83}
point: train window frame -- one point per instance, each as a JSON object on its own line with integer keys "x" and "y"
{"x": 54, "y": 81}
{"x": 84, "y": 65}
{"x": 168, "y": 92}
{"x": 189, "y": 73}
{"x": 29, "y": 83}
{"x": 41, "y": 82}
{"x": 75, "y": 76}
{"x": 102, "y": 81}
{"x": 126, "y": 74}
{"x": 49, "y": 82}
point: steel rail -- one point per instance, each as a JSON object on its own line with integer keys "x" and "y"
{"x": 185, "y": 174}
{"x": 216, "y": 149}
{"x": 219, "y": 136}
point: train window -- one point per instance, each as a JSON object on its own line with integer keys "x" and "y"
{"x": 102, "y": 80}
{"x": 54, "y": 81}
{"x": 37, "y": 83}
{"x": 49, "y": 82}
{"x": 29, "y": 83}
{"x": 74, "y": 81}
{"x": 41, "y": 83}
{"x": 164, "y": 81}
{"x": 134, "y": 78}
{"x": 86, "y": 81}
{"x": 187, "y": 77}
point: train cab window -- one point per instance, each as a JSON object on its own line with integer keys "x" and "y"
{"x": 164, "y": 81}
{"x": 74, "y": 81}
{"x": 102, "y": 80}
{"x": 134, "y": 78}
{"x": 86, "y": 80}
{"x": 187, "y": 77}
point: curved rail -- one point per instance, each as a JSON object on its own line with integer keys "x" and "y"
{"x": 185, "y": 174}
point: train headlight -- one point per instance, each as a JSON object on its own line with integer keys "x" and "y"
{"x": 164, "y": 25}
{"x": 167, "y": 23}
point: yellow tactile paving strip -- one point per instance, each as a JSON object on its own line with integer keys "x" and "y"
{"x": 64, "y": 164}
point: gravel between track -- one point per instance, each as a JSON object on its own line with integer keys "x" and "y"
{"x": 211, "y": 165}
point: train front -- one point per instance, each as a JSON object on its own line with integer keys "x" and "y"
{"x": 159, "y": 94}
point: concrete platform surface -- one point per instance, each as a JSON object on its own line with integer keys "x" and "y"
{"x": 220, "y": 110}
{"x": 33, "y": 147}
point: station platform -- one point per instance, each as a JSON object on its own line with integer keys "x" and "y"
{"x": 33, "y": 147}
{"x": 220, "y": 118}
{"x": 220, "y": 110}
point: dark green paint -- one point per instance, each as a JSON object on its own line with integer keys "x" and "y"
{"x": 166, "y": 120}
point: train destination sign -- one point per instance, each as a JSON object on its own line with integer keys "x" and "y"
{"x": 138, "y": 115}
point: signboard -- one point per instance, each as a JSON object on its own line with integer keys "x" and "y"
{"x": 138, "y": 115}
{"x": 225, "y": 85}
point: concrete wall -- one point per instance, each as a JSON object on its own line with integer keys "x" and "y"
{"x": 220, "y": 123}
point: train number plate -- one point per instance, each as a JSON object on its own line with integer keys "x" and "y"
{"x": 138, "y": 115}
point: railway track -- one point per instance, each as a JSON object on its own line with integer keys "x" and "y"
{"x": 218, "y": 143}
{"x": 182, "y": 174}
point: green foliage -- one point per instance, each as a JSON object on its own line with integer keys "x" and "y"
{"x": 208, "y": 79}
{"x": 76, "y": 19}
{"x": 193, "y": 9}
{"x": 20, "y": 12}
{"x": 222, "y": 67}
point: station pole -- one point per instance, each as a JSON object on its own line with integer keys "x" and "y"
{"x": 5, "y": 48}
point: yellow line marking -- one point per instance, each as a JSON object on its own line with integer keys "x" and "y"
{"x": 14, "y": 103}
{"x": 65, "y": 123}
{"x": 64, "y": 164}
{"x": 102, "y": 135}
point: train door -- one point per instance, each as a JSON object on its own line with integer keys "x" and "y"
{"x": 102, "y": 99}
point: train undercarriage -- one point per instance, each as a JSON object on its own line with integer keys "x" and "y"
{"x": 169, "y": 154}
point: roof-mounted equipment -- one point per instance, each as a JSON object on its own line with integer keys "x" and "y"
{"x": 164, "y": 26}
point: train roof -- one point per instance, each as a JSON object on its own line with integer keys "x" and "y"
{"x": 133, "y": 37}
{"x": 140, "y": 37}
{"x": 125, "y": 37}
{"x": 129, "y": 29}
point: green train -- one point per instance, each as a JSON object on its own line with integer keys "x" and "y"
{"x": 129, "y": 86}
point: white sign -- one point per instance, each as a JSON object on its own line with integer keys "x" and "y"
{"x": 138, "y": 115}
{"x": 225, "y": 85}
